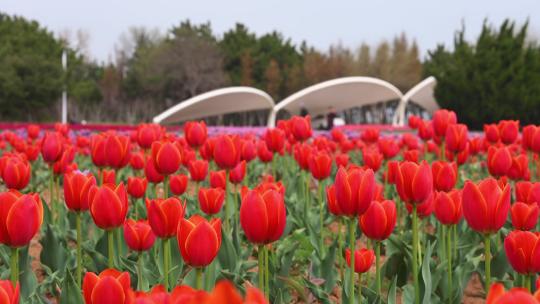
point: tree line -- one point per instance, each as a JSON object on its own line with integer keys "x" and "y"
{"x": 154, "y": 70}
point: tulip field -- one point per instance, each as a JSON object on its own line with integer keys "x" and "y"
{"x": 433, "y": 213}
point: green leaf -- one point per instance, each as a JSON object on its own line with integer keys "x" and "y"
{"x": 54, "y": 254}
{"x": 392, "y": 292}
{"x": 71, "y": 293}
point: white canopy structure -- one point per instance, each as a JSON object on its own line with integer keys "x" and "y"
{"x": 348, "y": 92}
{"x": 422, "y": 94}
{"x": 217, "y": 102}
{"x": 340, "y": 94}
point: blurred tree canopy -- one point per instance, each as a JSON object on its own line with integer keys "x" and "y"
{"x": 498, "y": 77}
{"x": 31, "y": 74}
{"x": 152, "y": 71}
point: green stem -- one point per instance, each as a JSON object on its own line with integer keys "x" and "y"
{"x": 321, "y": 218}
{"x": 487, "y": 248}
{"x": 359, "y": 287}
{"x": 51, "y": 194}
{"x": 455, "y": 242}
{"x": 415, "y": 255}
{"x": 228, "y": 216}
{"x": 110, "y": 247}
{"x": 449, "y": 259}
{"x": 14, "y": 265}
{"x": 139, "y": 271}
{"x": 199, "y": 278}
{"x": 340, "y": 248}
{"x": 79, "y": 249}
{"x": 306, "y": 198}
{"x": 352, "y": 244}
{"x": 378, "y": 266}
{"x": 266, "y": 273}
{"x": 443, "y": 150}
{"x": 166, "y": 250}
{"x": 119, "y": 241}
{"x": 527, "y": 282}
{"x": 260, "y": 254}
{"x": 166, "y": 187}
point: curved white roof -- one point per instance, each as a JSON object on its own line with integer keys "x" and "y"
{"x": 422, "y": 94}
{"x": 340, "y": 93}
{"x": 217, "y": 102}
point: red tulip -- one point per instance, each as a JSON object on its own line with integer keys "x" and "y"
{"x": 379, "y": 220}
{"x": 275, "y": 140}
{"x": 108, "y": 176}
{"x": 423, "y": 209}
{"x": 320, "y": 165}
{"x": 8, "y": 293}
{"x": 425, "y": 130}
{"x": 137, "y": 161}
{"x": 441, "y": 120}
{"x": 520, "y": 168}
{"x": 370, "y": 135}
{"x": 138, "y": 235}
{"x": 198, "y": 170}
{"x": 486, "y": 205}
{"x": 263, "y": 216}
{"x": 15, "y": 171}
{"x": 300, "y": 127}
{"x": 372, "y": 159}
{"x": 363, "y": 259}
{"x": 151, "y": 173}
{"x": 388, "y": 147}
{"x": 301, "y": 155}
{"x": 248, "y": 150}
{"x": 164, "y": 215}
{"x": 414, "y": 121}
{"x": 147, "y": 134}
{"x": 136, "y": 186}
{"x": 509, "y": 131}
{"x": 456, "y": 137}
{"x": 497, "y": 295}
{"x": 52, "y": 146}
{"x": 195, "y": 133}
{"x": 21, "y": 216}
{"x": 108, "y": 205}
{"x": 342, "y": 160}
{"x": 211, "y": 200}
{"x": 236, "y": 175}
{"x": 414, "y": 182}
{"x": 491, "y": 132}
{"x": 226, "y": 151}
{"x": 531, "y": 138}
{"x": 199, "y": 240}
{"x": 32, "y": 152}
{"x": 264, "y": 154}
{"x": 528, "y": 192}
{"x": 207, "y": 150}
{"x": 448, "y": 207}
{"x": 354, "y": 190}
{"x": 117, "y": 150}
{"x": 523, "y": 251}
{"x": 333, "y": 206}
{"x": 97, "y": 150}
{"x": 412, "y": 156}
{"x": 178, "y": 184}
{"x": 166, "y": 157}
{"x": 499, "y": 161}
{"x": 77, "y": 185}
{"x": 524, "y": 216}
{"x": 110, "y": 287}
{"x": 444, "y": 175}
{"x": 218, "y": 179}
{"x": 65, "y": 163}
{"x": 33, "y": 131}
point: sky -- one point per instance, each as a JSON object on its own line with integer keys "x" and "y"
{"x": 320, "y": 23}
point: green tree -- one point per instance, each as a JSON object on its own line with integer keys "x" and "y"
{"x": 31, "y": 76}
{"x": 496, "y": 78}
